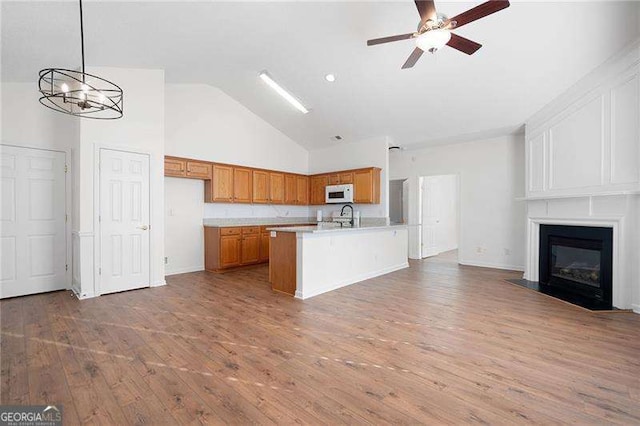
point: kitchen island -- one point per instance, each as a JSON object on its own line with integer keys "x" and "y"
{"x": 305, "y": 261}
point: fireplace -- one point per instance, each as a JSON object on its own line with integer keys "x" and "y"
{"x": 576, "y": 264}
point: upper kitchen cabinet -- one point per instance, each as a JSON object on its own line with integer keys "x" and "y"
{"x": 276, "y": 188}
{"x": 302, "y": 188}
{"x": 290, "y": 190}
{"x": 260, "y": 187}
{"x": 198, "y": 170}
{"x": 242, "y": 185}
{"x": 222, "y": 185}
{"x": 175, "y": 167}
{"x": 366, "y": 186}
{"x": 333, "y": 179}
{"x": 317, "y": 186}
{"x": 345, "y": 178}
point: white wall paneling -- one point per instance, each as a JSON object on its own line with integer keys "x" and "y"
{"x": 591, "y": 134}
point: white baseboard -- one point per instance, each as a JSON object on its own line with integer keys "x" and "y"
{"x": 492, "y": 265}
{"x": 356, "y": 279}
{"x": 158, "y": 283}
{"x": 183, "y": 270}
{"x": 636, "y": 308}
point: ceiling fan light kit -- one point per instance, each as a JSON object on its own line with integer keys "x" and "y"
{"x": 78, "y": 93}
{"x": 434, "y": 29}
{"x": 433, "y": 40}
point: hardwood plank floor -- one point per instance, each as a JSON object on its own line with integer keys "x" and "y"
{"x": 435, "y": 343}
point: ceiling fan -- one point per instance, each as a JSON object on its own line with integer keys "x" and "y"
{"x": 434, "y": 29}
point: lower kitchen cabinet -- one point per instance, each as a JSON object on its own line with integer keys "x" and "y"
{"x": 231, "y": 247}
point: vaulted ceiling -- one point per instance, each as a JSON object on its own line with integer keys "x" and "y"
{"x": 532, "y": 52}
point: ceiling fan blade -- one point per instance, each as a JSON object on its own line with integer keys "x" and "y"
{"x": 463, "y": 44}
{"x": 426, "y": 9}
{"x": 413, "y": 58}
{"x": 389, "y": 39}
{"x": 485, "y": 9}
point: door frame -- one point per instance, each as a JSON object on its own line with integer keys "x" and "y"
{"x": 458, "y": 207}
{"x": 68, "y": 205}
{"x": 418, "y": 197}
{"x": 97, "y": 257}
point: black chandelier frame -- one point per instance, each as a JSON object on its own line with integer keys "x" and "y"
{"x": 79, "y": 93}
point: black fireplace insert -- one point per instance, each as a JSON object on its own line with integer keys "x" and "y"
{"x": 576, "y": 264}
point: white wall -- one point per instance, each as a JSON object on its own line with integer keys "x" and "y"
{"x": 368, "y": 153}
{"x": 140, "y": 130}
{"x": 491, "y": 174}
{"x": 25, "y": 122}
{"x": 184, "y": 234}
{"x": 203, "y": 122}
{"x": 583, "y": 166}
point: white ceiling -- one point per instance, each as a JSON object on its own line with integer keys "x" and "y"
{"x": 532, "y": 52}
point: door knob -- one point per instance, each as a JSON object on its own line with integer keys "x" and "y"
{"x": 143, "y": 227}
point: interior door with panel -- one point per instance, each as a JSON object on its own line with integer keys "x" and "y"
{"x": 124, "y": 221}
{"x": 32, "y": 221}
{"x": 430, "y": 216}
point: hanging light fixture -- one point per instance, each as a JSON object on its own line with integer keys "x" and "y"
{"x": 78, "y": 93}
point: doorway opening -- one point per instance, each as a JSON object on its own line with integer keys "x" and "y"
{"x": 398, "y": 201}
{"x": 440, "y": 215}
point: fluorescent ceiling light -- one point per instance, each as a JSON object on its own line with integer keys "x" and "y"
{"x": 282, "y": 92}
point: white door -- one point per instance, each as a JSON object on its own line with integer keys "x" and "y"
{"x": 124, "y": 221}
{"x": 430, "y": 216}
{"x": 405, "y": 201}
{"x": 33, "y": 244}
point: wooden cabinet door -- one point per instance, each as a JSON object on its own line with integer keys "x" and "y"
{"x": 222, "y": 186}
{"x": 276, "y": 188}
{"x": 260, "y": 187}
{"x": 290, "y": 190}
{"x": 264, "y": 246}
{"x": 174, "y": 167}
{"x": 302, "y": 188}
{"x": 318, "y": 184}
{"x": 334, "y": 179}
{"x": 242, "y": 187}
{"x": 230, "y": 248}
{"x": 346, "y": 178}
{"x": 198, "y": 170}
{"x": 250, "y": 252}
{"x": 366, "y": 186}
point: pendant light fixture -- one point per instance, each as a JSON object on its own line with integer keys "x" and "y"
{"x": 78, "y": 93}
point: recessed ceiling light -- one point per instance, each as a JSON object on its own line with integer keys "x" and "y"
{"x": 282, "y": 92}
{"x": 330, "y": 78}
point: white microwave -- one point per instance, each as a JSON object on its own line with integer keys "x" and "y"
{"x": 336, "y": 194}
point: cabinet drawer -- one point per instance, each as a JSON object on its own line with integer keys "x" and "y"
{"x": 198, "y": 170}
{"x": 250, "y": 230}
{"x": 230, "y": 231}
{"x": 174, "y": 167}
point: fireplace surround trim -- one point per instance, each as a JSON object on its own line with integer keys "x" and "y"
{"x": 620, "y": 293}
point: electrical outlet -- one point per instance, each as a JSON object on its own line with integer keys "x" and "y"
{"x": 507, "y": 252}
{"x": 479, "y": 250}
{"x": 166, "y": 260}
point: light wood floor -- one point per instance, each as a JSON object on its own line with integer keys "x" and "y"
{"x": 436, "y": 343}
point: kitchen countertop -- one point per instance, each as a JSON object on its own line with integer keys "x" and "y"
{"x": 275, "y": 221}
{"x": 334, "y": 229}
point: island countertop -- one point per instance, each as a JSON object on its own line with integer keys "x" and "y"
{"x": 334, "y": 229}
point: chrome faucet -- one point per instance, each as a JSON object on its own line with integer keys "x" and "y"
{"x": 351, "y": 221}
